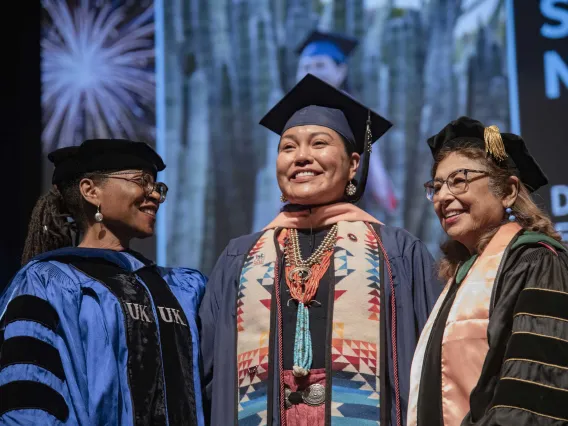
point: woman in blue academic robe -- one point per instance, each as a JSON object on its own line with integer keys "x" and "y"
{"x": 314, "y": 320}
{"x": 97, "y": 334}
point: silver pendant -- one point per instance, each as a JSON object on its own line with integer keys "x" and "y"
{"x": 314, "y": 395}
{"x": 302, "y": 272}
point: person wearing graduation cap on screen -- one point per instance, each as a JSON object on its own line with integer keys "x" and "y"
{"x": 94, "y": 333}
{"x": 326, "y": 56}
{"x": 314, "y": 320}
{"x": 495, "y": 348}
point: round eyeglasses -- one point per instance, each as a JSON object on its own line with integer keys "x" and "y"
{"x": 458, "y": 183}
{"x": 146, "y": 182}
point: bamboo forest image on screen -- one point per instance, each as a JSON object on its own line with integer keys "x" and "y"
{"x": 227, "y": 62}
{"x": 193, "y": 78}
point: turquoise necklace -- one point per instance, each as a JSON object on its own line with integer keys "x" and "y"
{"x": 302, "y": 278}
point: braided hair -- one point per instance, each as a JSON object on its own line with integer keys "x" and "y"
{"x": 58, "y": 217}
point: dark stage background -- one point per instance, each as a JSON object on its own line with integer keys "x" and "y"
{"x": 20, "y": 124}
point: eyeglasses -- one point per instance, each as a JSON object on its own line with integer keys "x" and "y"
{"x": 146, "y": 182}
{"x": 458, "y": 183}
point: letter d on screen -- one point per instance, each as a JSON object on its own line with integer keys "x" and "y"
{"x": 559, "y": 200}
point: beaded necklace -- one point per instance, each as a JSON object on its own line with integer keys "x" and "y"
{"x": 303, "y": 278}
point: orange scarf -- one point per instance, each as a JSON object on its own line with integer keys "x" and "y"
{"x": 321, "y": 216}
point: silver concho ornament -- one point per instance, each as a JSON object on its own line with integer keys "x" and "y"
{"x": 287, "y": 393}
{"x": 302, "y": 272}
{"x": 314, "y": 395}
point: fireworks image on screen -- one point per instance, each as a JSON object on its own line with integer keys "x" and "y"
{"x": 98, "y": 78}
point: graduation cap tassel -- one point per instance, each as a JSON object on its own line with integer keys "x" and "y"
{"x": 494, "y": 143}
{"x": 366, "y": 158}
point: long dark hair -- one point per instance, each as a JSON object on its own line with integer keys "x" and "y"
{"x": 58, "y": 217}
{"x": 529, "y": 216}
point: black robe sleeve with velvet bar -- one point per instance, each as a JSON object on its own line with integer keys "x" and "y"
{"x": 524, "y": 380}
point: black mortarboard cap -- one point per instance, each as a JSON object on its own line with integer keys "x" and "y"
{"x": 103, "y": 155}
{"x": 501, "y": 147}
{"x": 313, "y": 101}
{"x": 338, "y": 46}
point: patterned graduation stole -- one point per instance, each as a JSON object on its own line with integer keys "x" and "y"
{"x": 356, "y": 327}
{"x": 354, "y": 376}
{"x": 253, "y": 330}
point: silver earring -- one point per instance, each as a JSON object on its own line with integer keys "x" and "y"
{"x": 98, "y": 214}
{"x": 283, "y": 198}
{"x": 350, "y": 189}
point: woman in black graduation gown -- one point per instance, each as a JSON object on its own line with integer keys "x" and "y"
{"x": 97, "y": 334}
{"x": 495, "y": 348}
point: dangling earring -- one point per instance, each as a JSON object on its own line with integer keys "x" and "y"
{"x": 350, "y": 189}
{"x": 98, "y": 214}
{"x": 283, "y": 198}
{"x": 511, "y": 217}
